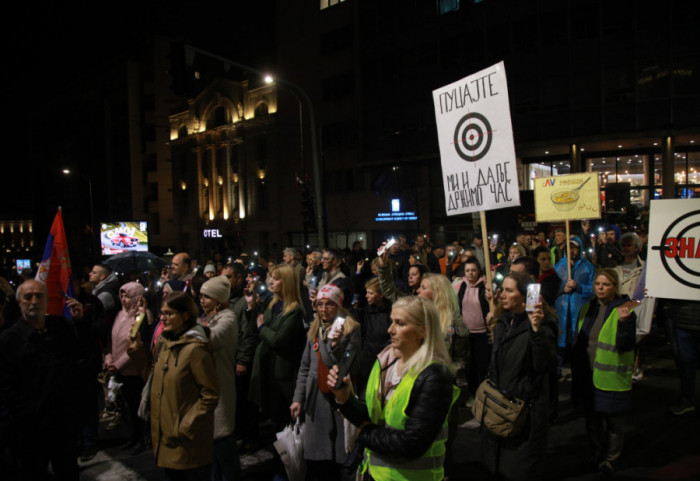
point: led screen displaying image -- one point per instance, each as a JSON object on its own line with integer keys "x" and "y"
{"x": 117, "y": 237}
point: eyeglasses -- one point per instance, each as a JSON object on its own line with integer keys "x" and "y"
{"x": 169, "y": 313}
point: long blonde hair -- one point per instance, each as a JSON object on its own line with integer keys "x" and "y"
{"x": 290, "y": 295}
{"x": 423, "y": 315}
{"x": 445, "y": 299}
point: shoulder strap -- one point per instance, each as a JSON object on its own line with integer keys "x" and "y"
{"x": 460, "y": 294}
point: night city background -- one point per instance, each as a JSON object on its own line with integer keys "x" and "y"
{"x": 190, "y": 144}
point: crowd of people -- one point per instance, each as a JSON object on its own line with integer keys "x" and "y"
{"x": 374, "y": 352}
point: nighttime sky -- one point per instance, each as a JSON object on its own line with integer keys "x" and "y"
{"x": 55, "y": 49}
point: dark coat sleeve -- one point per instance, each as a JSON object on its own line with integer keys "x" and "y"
{"x": 543, "y": 345}
{"x": 427, "y": 409}
{"x": 627, "y": 333}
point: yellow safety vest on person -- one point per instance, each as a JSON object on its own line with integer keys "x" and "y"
{"x": 385, "y": 467}
{"x": 612, "y": 369}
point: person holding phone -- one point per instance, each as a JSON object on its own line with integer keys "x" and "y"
{"x": 386, "y": 276}
{"x": 403, "y": 419}
{"x": 332, "y": 339}
{"x": 120, "y": 365}
{"x": 522, "y": 359}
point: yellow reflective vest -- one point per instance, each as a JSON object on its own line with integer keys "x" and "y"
{"x": 612, "y": 369}
{"x": 428, "y": 467}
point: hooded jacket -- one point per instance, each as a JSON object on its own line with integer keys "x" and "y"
{"x": 184, "y": 395}
{"x": 120, "y": 331}
{"x": 568, "y": 305}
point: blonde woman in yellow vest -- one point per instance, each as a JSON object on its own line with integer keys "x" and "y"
{"x": 602, "y": 366}
{"x": 403, "y": 421}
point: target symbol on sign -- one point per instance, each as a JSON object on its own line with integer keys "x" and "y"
{"x": 680, "y": 270}
{"x": 472, "y": 139}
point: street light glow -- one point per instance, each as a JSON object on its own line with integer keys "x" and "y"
{"x": 269, "y": 79}
{"x": 66, "y": 171}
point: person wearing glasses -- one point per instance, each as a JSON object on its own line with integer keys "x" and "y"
{"x": 184, "y": 393}
{"x": 223, "y": 333}
{"x": 403, "y": 420}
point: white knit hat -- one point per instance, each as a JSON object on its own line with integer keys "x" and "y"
{"x": 218, "y": 288}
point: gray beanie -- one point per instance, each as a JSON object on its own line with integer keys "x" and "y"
{"x": 210, "y": 268}
{"x": 218, "y": 288}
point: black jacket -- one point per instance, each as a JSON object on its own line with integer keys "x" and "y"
{"x": 374, "y": 321}
{"x": 521, "y": 363}
{"x": 428, "y": 406}
{"x": 38, "y": 382}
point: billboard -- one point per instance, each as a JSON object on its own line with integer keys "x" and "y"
{"x": 117, "y": 237}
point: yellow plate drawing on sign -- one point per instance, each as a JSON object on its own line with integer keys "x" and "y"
{"x": 564, "y": 197}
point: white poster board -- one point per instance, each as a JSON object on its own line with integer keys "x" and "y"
{"x": 673, "y": 255}
{"x": 475, "y": 136}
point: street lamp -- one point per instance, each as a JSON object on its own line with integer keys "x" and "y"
{"x": 189, "y": 56}
{"x": 89, "y": 181}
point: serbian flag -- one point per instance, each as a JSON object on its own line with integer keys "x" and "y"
{"x": 54, "y": 270}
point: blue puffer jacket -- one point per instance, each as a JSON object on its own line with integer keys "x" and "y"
{"x": 568, "y": 305}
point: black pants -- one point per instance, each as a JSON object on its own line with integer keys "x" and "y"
{"x": 480, "y": 357}
{"x": 246, "y": 411}
{"x": 195, "y": 474}
{"x": 133, "y": 385}
{"x": 606, "y": 434}
{"x": 58, "y": 448}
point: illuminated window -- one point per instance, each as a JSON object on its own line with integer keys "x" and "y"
{"x": 330, "y": 3}
{"x": 546, "y": 169}
{"x": 447, "y": 6}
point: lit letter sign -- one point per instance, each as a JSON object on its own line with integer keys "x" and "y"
{"x": 212, "y": 233}
{"x": 396, "y": 215}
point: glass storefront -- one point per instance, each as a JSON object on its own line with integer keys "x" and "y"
{"x": 546, "y": 169}
{"x": 642, "y": 172}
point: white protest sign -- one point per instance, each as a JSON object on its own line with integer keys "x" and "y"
{"x": 476, "y": 143}
{"x": 673, "y": 256}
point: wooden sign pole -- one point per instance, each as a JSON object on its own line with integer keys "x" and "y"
{"x": 486, "y": 245}
{"x": 568, "y": 251}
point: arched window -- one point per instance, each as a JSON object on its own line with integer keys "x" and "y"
{"x": 219, "y": 116}
{"x": 261, "y": 109}
{"x": 182, "y": 132}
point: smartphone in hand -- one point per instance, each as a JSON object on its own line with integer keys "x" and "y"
{"x": 533, "y": 296}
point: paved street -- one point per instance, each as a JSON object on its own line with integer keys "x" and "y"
{"x": 658, "y": 445}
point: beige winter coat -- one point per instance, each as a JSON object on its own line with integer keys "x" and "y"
{"x": 184, "y": 395}
{"x": 224, "y": 338}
